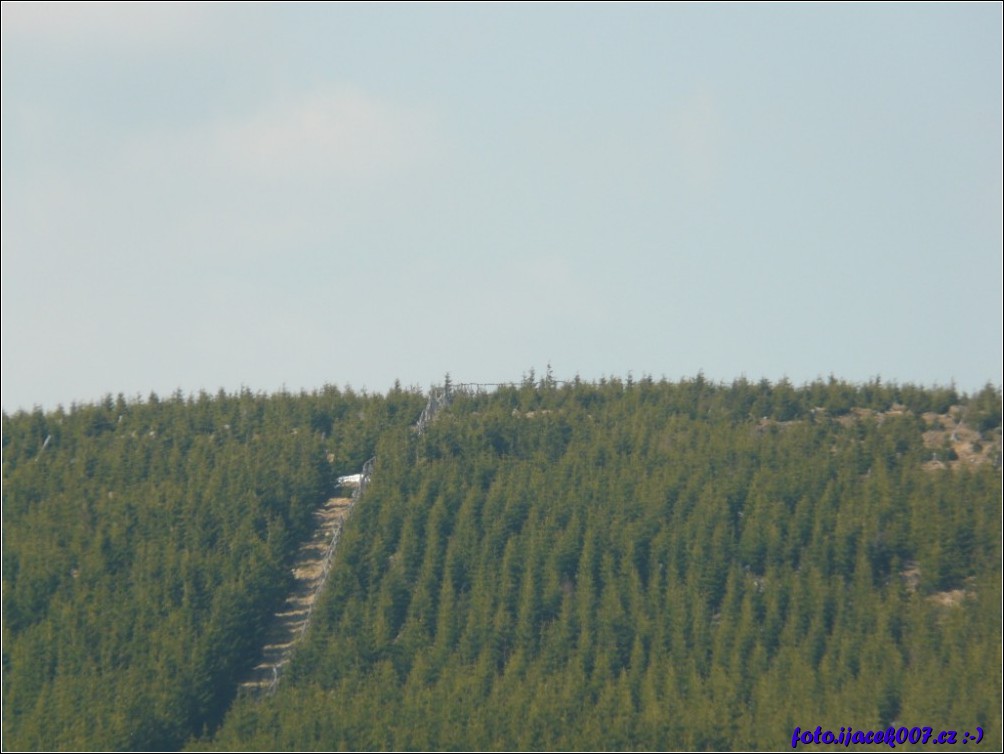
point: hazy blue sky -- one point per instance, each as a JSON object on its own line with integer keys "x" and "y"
{"x": 210, "y": 196}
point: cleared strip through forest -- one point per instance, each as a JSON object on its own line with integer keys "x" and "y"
{"x": 310, "y": 571}
{"x": 313, "y": 562}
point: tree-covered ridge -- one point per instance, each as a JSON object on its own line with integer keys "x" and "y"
{"x": 145, "y": 545}
{"x": 649, "y": 565}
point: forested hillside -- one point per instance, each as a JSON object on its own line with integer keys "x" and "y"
{"x": 659, "y": 566}
{"x": 621, "y": 565}
{"x": 146, "y": 545}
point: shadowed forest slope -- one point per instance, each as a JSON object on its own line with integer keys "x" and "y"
{"x": 146, "y": 546}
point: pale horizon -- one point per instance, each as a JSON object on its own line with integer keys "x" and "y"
{"x": 204, "y": 197}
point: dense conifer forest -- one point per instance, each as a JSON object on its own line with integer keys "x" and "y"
{"x": 145, "y": 546}
{"x": 612, "y": 565}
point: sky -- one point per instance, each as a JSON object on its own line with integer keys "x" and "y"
{"x": 266, "y": 196}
